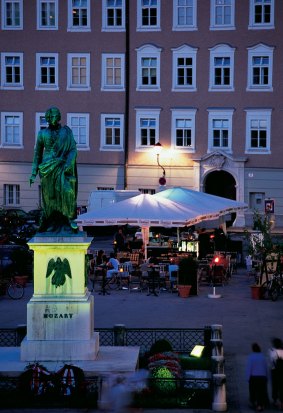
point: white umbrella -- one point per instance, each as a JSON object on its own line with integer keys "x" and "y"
{"x": 205, "y": 206}
{"x": 143, "y": 210}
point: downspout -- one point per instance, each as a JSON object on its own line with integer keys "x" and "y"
{"x": 127, "y": 91}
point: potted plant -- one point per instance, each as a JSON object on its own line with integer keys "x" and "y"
{"x": 187, "y": 276}
{"x": 262, "y": 249}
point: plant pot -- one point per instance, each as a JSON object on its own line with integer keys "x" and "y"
{"x": 184, "y": 290}
{"x": 257, "y": 292}
{"x": 21, "y": 279}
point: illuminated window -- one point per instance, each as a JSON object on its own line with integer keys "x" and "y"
{"x": 47, "y": 14}
{"x": 222, "y": 15}
{"x": 79, "y": 71}
{"x": 185, "y": 15}
{"x": 79, "y": 15}
{"x": 79, "y": 124}
{"x": 113, "y": 68}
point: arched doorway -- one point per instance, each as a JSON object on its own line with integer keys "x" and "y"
{"x": 220, "y": 183}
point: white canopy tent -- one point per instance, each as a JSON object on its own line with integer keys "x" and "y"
{"x": 157, "y": 210}
{"x": 206, "y": 206}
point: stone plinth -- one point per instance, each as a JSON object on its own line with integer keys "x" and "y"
{"x": 60, "y": 315}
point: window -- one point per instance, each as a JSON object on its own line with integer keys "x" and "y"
{"x": 113, "y": 15}
{"x": 183, "y": 130}
{"x": 47, "y": 15}
{"x": 258, "y": 128}
{"x": 47, "y": 71}
{"x": 12, "y": 14}
{"x": 79, "y": 123}
{"x": 40, "y": 123}
{"x": 11, "y": 195}
{"x": 148, "y": 68}
{"x": 113, "y": 72}
{"x": 147, "y": 191}
{"x": 78, "y": 72}
{"x": 184, "y": 69}
{"x": 222, "y": 14}
{"x": 12, "y": 129}
{"x": 220, "y": 129}
{"x": 12, "y": 70}
{"x": 185, "y": 15}
{"x": 221, "y": 74}
{"x": 261, "y": 14}
{"x": 147, "y": 128}
{"x": 256, "y": 200}
{"x": 260, "y": 66}
{"x": 78, "y": 15}
{"x": 112, "y": 132}
{"x": 148, "y": 15}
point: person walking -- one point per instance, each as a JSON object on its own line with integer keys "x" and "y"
{"x": 275, "y": 356}
{"x": 256, "y": 372}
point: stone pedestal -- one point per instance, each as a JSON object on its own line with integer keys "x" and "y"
{"x": 60, "y": 315}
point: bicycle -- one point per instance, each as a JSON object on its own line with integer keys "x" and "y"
{"x": 14, "y": 290}
{"x": 274, "y": 287}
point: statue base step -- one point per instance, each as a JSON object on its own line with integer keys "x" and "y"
{"x": 58, "y": 350}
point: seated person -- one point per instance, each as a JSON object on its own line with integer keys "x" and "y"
{"x": 113, "y": 265}
{"x": 173, "y": 271}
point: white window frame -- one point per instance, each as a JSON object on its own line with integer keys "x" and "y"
{"x": 4, "y": 83}
{"x": 220, "y": 114}
{"x": 105, "y": 26}
{"x": 47, "y": 86}
{"x": 150, "y": 52}
{"x": 150, "y": 113}
{"x": 80, "y": 86}
{"x": 258, "y": 115}
{"x": 140, "y": 26}
{"x": 213, "y": 24}
{"x": 4, "y": 144}
{"x": 261, "y": 26}
{"x": 103, "y": 145}
{"x": 260, "y": 50}
{"x": 71, "y": 27}
{"x": 15, "y": 191}
{"x": 40, "y": 123}
{"x": 183, "y": 114}
{"x": 104, "y": 85}
{"x": 221, "y": 51}
{"x": 184, "y": 27}
{"x": 4, "y": 15}
{"x": 184, "y": 51}
{"x": 70, "y": 117}
{"x": 40, "y": 26}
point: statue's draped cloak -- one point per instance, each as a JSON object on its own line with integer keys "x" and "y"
{"x": 55, "y": 160}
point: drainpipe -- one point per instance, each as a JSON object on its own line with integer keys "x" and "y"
{"x": 127, "y": 91}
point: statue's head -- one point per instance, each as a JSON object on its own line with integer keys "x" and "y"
{"x": 53, "y": 115}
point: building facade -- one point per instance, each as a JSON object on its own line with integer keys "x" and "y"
{"x": 202, "y": 77}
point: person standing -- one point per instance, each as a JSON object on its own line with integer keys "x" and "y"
{"x": 119, "y": 241}
{"x": 275, "y": 355}
{"x": 256, "y": 373}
